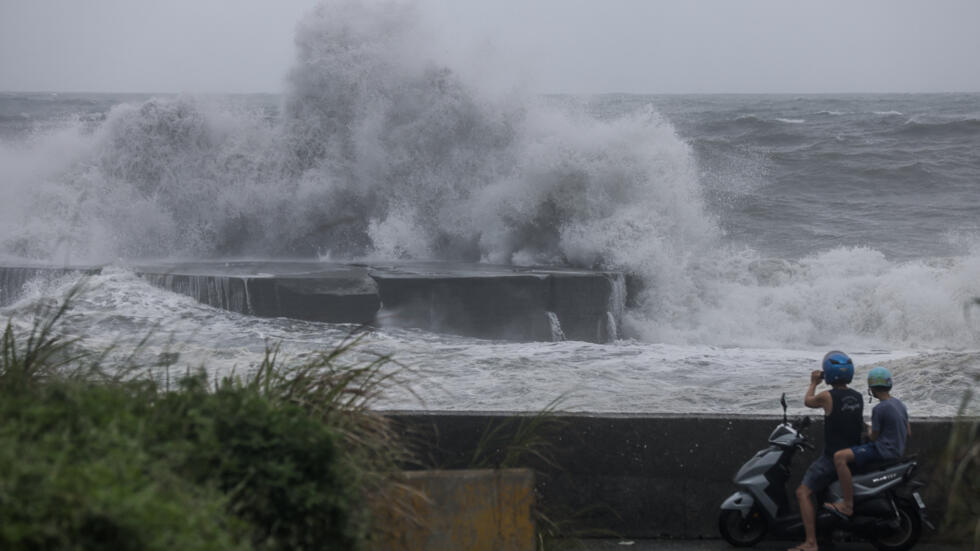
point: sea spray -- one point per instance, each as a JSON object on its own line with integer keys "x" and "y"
{"x": 380, "y": 150}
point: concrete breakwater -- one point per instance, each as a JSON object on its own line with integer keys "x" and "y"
{"x": 494, "y": 302}
{"x": 637, "y": 476}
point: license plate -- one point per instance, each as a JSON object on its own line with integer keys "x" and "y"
{"x": 918, "y": 499}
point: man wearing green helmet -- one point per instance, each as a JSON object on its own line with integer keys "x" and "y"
{"x": 889, "y": 432}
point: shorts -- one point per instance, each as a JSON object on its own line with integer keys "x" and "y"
{"x": 865, "y": 453}
{"x": 820, "y": 474}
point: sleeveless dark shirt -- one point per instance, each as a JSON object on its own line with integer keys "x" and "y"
{"x": 843, "y": 427}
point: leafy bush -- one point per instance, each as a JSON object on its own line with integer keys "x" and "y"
{"x": 76, "y": 475}
{"x": 279, "y": 467}
{"x": 92, "y": 458}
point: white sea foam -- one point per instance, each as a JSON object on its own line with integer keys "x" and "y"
{"x": 842, "y": 298}
{"x": 791, "y": 121}
{"x": 457, "y": 373}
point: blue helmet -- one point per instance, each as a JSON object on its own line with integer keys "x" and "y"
{"x": 837, "y": 367}
{"x": 880, "y": 377}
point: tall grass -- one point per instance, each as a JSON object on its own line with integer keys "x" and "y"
{"x": 519, "y": 441}
{"x": 45, "y": 353}
{"x": 960, "y": 469}
{"x": 100, "y": 457}
{"x": 529, "y": 441}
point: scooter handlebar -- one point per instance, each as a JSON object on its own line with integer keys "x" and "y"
{"x": 801, "y": 425}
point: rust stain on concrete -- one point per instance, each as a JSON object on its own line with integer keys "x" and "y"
{"x": 467, "y": 509}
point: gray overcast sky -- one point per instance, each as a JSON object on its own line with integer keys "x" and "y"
{"x": 578, "y": 46}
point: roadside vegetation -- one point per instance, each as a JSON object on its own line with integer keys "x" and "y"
{"x": 285, "y": 457}
{"x": 960, "y": 470}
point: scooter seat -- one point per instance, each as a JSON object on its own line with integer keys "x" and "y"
{"x": 884, "y": 464}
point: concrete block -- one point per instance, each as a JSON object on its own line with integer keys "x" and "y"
{"x": 582, "y": 304}
{"x": 475, "y": 510}
{"x": 337, "y": 294}
{"x": 510, "y": 307}
{"x": 349, "y": 297}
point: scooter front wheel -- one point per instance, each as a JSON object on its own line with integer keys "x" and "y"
{"x": 742, "y": 531}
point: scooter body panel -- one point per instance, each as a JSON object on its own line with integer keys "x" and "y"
{"x": 754, "y": 478}
{"x": 739, "y": 501}
{"x": 871, "y": 484}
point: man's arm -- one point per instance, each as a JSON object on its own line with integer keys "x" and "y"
{"x": 822, "y": 400}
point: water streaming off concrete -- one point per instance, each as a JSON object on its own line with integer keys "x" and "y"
{"x": 226, "y": 293}
{"x": 557, "y": 335}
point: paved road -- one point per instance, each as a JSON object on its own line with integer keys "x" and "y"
{"x": 720, "y": 545}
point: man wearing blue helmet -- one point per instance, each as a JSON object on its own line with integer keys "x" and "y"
{"x": 843, "y": 424}
{"x": 889, "y": 431}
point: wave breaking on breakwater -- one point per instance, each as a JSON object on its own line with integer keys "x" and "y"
{"x": 384, "y": 149}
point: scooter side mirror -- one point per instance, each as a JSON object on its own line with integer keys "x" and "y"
{"x": 782, "y": 400}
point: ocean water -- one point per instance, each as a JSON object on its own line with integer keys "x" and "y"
{"x": 766, "y": 229}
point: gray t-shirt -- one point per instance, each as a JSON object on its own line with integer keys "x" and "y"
{"x": 890, "y": 420}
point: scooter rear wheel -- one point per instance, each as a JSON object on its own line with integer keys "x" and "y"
{"x": 908, "y": 531}
{"x": 742, "y": 531}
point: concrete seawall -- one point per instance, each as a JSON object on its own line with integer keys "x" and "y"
{"x": 477, "y": 300}
{"x": 637, "y": 476}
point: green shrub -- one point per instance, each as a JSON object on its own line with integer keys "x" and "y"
{"x": 76, "y": 475}
{"x": 95, "y": 458}
{"x": 279, "y": 466}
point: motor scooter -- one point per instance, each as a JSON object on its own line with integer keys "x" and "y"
{"x": 888, "y": 510}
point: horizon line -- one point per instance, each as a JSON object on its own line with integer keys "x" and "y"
{"x": 548, "y": 93}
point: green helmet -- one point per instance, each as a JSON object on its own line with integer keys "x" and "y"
{"x": 879, "y": 377}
